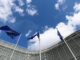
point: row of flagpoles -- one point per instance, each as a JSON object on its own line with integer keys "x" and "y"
{"x": 12, "y": 33}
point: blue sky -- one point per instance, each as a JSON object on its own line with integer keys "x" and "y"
{"x": 31, "y": 16}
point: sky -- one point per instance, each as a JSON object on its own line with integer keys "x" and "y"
{"x": 31, "y": 16}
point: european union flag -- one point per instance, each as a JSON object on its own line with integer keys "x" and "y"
{"x": 37, "y": 34}
{"x": 60, "y": 36}
{"x": 10, "y": 32}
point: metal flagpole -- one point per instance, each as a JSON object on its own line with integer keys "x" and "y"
{"x": 70, "y": 50}
{"x": 66, "y": 44}
{"x": 15, "y": 47}
{"x": 39, "y": 49}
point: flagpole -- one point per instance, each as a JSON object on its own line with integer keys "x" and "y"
{"x": 66, "y": 44}
{"x": 39, "y": 43}
{"x": 39, "y": 49}
{"x": 70, "y": 50}
{"x": 15, "y": 47}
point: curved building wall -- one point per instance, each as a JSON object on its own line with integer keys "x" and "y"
{"x": 60, "y": 52}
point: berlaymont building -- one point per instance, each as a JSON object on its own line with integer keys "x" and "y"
{"x": 59, "y": 52}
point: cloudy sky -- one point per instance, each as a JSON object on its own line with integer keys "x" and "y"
{"x": 31, "y": 16}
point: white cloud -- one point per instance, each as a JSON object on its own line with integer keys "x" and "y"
{"x": 21, "y": 2}
{"x": 58, "y": 4}
{"x": 13, "y": 20}
{"x": 74, "y": 19}
{"x": 28, "y": 1}
{"x": 27, "y": 34}
{"x": 19, "y": 10}
{"x": 31, "y": 10}
{"x": 8, "y": 6}
{"x": 64, "y": 29}
{"x": 50, "y": 38}
{"x": 47, "y": 39}
{"x": 77, "y": 7}
{"x": 73, "y": 22}
{"x": 5, "y": 9}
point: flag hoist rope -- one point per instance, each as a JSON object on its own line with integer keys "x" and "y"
{"x": 15, "y": 47}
